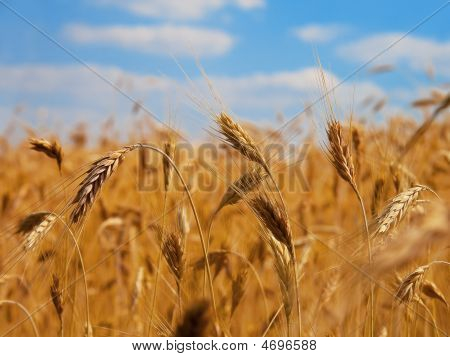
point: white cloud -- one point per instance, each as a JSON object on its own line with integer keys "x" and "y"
{"x": 416, "y": 52}
{"x": 74, "y": 80}
{"x": 165, "y": 39}
{"x": 289, "y": 91}
{"x": 180, "y": 9}
{"x": 316, "y": 33}
{"x": 71, "y": 93}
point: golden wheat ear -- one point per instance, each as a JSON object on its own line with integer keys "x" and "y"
{"x": 95, "y": 178}
{"x": 407, "y": 289}
{"x": 274, "y": 219}
{"x": 339, "y": 153}
{"x": 396, "y": 209}
{"x": 169, "y": 150}
{"x": 34, "y": 227}
{"x": 238, "y": 138}
{"x": 52, "y": 149}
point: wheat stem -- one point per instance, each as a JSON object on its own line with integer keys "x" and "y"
{"x": 155, "y": 288}
{"x": 297, "y": 294}
{"x": 369, "y": 253}
{"x": 197, "y": 220}
{"x": 26, "y": 312}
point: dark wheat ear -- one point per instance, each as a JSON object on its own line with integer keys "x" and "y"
{"x": 52, "y": 150}
{"x": 28, "y": 223}
{"x": 173, "y": 251}
{"x": 432, "y": 291}
{"x": 91, "y": 185}
{"x": 34, "y": 227}
{"x": 56, "y": 294}
{"x": 195, "y": 321}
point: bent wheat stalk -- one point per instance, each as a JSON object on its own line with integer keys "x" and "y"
{"x": 103, "y": 168}
{"x": 25, "y": 311}
{"x": 35, "y": 226}
{"x": 169, "y": 150}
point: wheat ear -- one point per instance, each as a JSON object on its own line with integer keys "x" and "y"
{"x": 99, "y": 171}
{"x": 52, "y": 149}
{"x": 396, "y": 209}
{"x": 340, "y": 156}
{"x": 235, "y": 136}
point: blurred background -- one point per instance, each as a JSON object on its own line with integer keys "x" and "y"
{"x": 261, "y": 56}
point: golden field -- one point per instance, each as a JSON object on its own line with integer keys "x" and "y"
{"x": 90, "y": 250}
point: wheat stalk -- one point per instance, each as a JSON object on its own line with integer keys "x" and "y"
{"x": 167, "y": 158}
{"x": 25, "y": 311}
{"x": 340, "y": 156}
{"x": 285, "y": 272}
{"x": 238, "y": 286}
{"x": 235, "y": 136}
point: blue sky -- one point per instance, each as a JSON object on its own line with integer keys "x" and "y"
{"x": 259, "y": 54}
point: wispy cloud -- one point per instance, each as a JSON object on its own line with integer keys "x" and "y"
{"x": 179, "y": 9}
{"x": 67, "y": 94}
{"x": 416, "y": 52}
{"x": 259, "y": 95}
{"x": 316, "y": 33}
{"x": 165, "y": 39}
{"x": 288, "y": 91}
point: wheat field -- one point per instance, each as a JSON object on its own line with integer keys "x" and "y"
{"x": 359, "y": 246}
